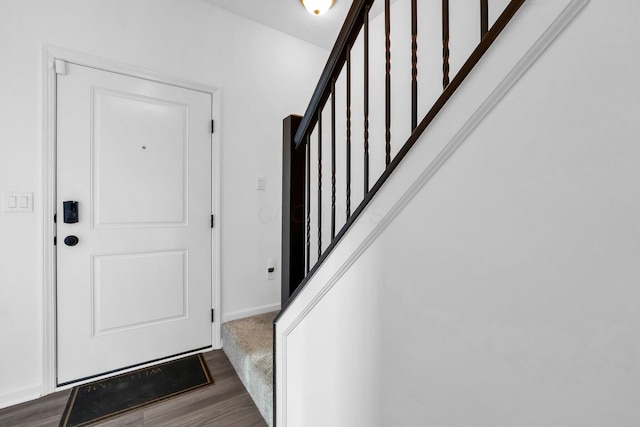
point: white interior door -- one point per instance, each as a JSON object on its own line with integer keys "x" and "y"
{"x": 136, "y": 156}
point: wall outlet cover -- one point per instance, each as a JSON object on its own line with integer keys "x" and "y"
{"x": 271, "y": 270}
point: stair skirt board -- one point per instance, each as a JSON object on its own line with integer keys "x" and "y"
{"x": 248, "y": 343}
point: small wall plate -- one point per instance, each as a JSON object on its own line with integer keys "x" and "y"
{"x": 13, "y": 202}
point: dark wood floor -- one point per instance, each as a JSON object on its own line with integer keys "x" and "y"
{"x": 226, "y": 403}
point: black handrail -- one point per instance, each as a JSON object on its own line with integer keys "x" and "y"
{"x": 348, "y": 34}
{"x": 357, "y": 17}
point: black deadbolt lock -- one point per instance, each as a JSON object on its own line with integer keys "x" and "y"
{"x": 71, "y": 240}
{"x": 70, "y": 212}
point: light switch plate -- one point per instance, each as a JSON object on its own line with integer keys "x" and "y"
{"x": 259, "y": 182}
{"x": 13, "y": 201}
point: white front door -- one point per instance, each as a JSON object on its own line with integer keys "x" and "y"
{"x": 136, "y": 157}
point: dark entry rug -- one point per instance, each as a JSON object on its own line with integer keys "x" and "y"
{"x": 113, "y": 396}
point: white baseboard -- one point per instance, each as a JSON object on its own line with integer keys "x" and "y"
{"x": 227, "y": 317}
{"x": 20, "y": 396}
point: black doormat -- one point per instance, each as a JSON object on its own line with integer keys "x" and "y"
{"x": 98, "y": 400}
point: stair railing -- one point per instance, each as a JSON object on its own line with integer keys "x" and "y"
{"x": 297, "y": 267}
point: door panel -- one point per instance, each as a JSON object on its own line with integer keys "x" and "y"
{"x": 123, "y": 283}
{"x": 136, "y": 156}
{"x": 123, "y": 160}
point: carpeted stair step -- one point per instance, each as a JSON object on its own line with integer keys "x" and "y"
{"x": 248, "y": 344}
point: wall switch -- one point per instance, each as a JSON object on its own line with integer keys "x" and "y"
{"x": 271, "y": 270}
{"x": 17, "y": 202}
{"x": 24, "y": 202}
{"x": 259, "y": 182}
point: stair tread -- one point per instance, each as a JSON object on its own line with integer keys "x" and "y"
{"x": 249, "y": 345}
{"x": 253, "y": 335}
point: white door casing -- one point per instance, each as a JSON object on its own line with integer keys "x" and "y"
{"x": 136, "y": 155}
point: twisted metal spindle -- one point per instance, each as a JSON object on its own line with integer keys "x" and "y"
{"x": 445, "y": 43}
{"x": 319, "y": 183}
{"x": 387, "y": 34}
{"x": 348, "y": 177}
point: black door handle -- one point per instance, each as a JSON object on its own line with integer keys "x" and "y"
{"x": 71, "y": 240}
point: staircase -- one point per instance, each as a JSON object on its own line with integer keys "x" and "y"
{"x": 248, "y": 344}
{"x": 351, "y": 263}
{"x": 361, "y": 157}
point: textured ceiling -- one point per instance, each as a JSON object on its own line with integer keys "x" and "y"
{"x": 290, "y": 17}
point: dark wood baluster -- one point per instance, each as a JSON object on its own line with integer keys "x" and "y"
{"x": 484, "y": 18}
{"x": 333, "y": 159}
{"x": 414, "y": 64}
{"x": 387, "y": 86}
{"x": 366, "y": 101}
{"x": 308, "y": 201}
{"x": 348, "y": 132}
{"x": 445, "y": 43}
{"x": 319, "y": 183}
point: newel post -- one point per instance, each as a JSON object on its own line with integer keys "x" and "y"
{"x": 293, "y": 188}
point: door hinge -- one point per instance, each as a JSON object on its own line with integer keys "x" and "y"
{"x": 55, "y": 218}
{"x": 212, "y": 316}
{"x": 212, "y": 222}
{"x": 213, "y": 127}
{"x": 55, "y": 241}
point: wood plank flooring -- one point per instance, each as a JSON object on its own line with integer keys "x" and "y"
{"x": 226, "y": 403}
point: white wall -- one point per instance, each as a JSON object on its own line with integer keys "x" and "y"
{"x": 263, "y": 75}
{"x": 494, "y": 279}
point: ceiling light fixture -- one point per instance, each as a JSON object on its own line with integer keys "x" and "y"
{"x": 317, "y": 7}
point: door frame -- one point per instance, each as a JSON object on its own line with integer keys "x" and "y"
{"x": 49, "y": 55}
